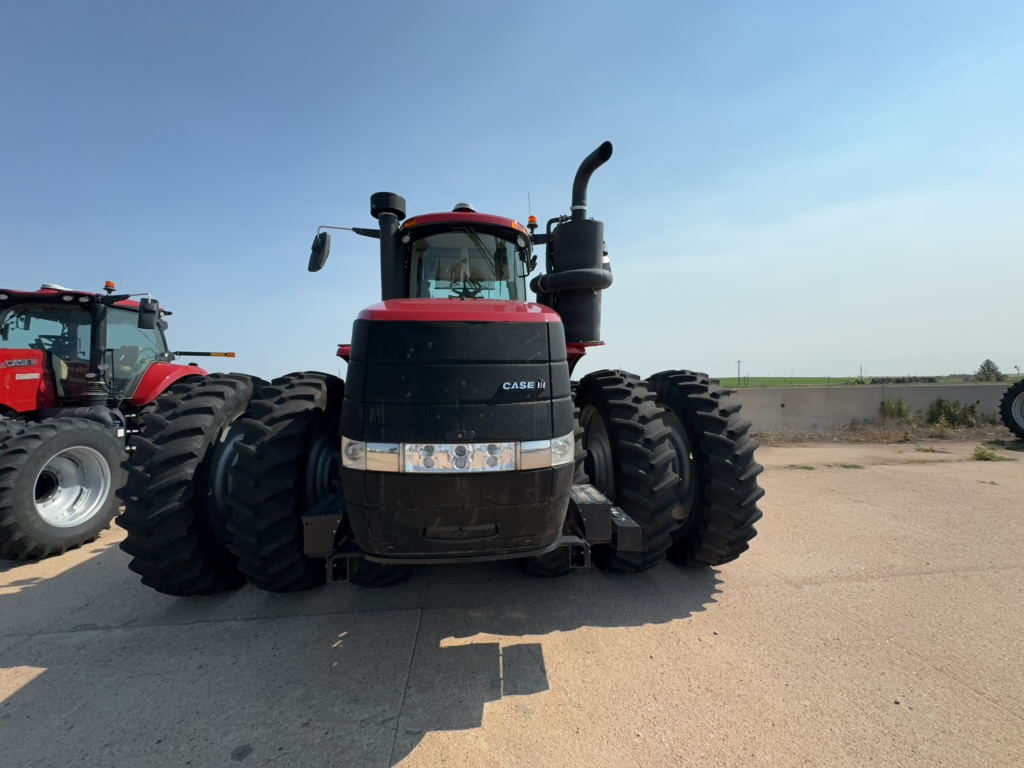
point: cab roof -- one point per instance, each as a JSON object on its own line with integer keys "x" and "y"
{"x": 55, "y": 295}
{"x": 463, "y": 219}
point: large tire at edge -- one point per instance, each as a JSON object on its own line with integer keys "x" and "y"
{"x": 718, "y": 491}
{"x": 629, "y": 459}
{"x": 173, "y": 509}
{"x": 58, "y": 486}
{"x": 1011, "y": 409}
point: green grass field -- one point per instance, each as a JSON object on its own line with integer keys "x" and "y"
{"x": 786, "y": 381}
{"x": 831, "y": 381}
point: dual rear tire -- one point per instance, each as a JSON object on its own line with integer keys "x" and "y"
{"x": 287, "y": 461}
{"x": 675, "y": 455}
{"x": 717, "y": 494}
{"x": 219, "y": 480}
{"x": 175, "y": 498}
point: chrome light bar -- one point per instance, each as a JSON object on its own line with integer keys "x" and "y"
{"x": 457, "y": 458}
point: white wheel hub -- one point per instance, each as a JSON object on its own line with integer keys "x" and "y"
{"x": 72, "y": 487}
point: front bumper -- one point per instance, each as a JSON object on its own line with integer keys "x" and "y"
{"x": 456, "y": 515}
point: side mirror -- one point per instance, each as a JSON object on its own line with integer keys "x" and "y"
{"x": 149, "y": 314}
{"x": 319, "y": 252}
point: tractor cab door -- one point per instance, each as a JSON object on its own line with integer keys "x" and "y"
{"x": 60, "y": 331}
{"x": 130, "y": 351}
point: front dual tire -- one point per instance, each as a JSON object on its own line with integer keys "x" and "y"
{"x": 287, "y": 461}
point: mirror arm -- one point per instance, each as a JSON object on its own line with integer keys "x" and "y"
{"x": 358, "y": 230}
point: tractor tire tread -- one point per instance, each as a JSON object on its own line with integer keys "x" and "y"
{"x": 644, "y": 477}
{"x": 266, "y": 504}
{"x": 722, "y": 524}
{"x": 171, "y": 550}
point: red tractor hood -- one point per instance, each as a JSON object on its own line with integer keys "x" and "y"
{"x": 460, "y": 311}
{"x": 454, "y": 311}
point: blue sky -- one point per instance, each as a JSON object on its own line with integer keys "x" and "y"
{"x": 809, "y": 187}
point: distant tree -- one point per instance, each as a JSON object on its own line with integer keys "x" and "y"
{"x": 989, "y": 371}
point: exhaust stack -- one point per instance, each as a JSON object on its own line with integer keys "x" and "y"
{"x": 577, "y": 261}
{"x": 590, "y": 163}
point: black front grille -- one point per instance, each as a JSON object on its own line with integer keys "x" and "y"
{"x": 446, "y": 381}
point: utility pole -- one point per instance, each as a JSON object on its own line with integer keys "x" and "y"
{"x": 738, "y": 384}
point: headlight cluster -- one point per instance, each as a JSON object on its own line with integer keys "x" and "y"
{"x": 455, "y": 458}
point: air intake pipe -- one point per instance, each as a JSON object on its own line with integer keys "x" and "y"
{"x": 389, "y": 210}
{"x": 577, "y": 260}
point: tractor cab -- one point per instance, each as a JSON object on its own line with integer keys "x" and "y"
{"x": 465, "y": 255}
{"x": 57, "y": 345}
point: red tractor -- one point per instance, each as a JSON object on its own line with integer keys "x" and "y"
{"x": 76, "y": 369}
{"x": 457, "y": 437}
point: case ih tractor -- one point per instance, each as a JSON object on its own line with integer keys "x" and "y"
{"x": 76, "y": 369}
{"x": 457, "y": 437}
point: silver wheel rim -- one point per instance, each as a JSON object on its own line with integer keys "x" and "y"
{"x": 72, "y": 487}
{"x": 600, "y": 463}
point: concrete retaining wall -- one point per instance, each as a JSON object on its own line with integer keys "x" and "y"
{"x": 807, "y": 409}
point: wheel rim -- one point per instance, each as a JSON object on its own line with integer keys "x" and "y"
{"x": 684, "y": 466}
{"x": 322, "y": 466}
{"x": 600, "y": 463}
{"x": 225, "y": 455}
{"x": 72, "y": 487}
{"x": 1017, "y": 410}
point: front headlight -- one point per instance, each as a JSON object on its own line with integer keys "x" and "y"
{"x": 353, "y": 453}
{"x": 563, "y": 450}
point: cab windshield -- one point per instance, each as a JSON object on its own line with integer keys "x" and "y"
{"x": 467, "y": 263}
{"x": 60, "y": 329}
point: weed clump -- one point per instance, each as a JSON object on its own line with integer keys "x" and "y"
{"x": 898, "y": 411}
{"x": 984, "y": 453}
{"x": 946, "y": 414}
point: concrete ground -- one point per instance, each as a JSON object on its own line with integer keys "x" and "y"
{"x": 877, "y": 620}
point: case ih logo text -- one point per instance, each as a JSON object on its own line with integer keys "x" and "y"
{"x": 523, "y": 385}
{"x": 20, "y": 363}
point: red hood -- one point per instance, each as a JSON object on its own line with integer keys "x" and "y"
{"x": 460, "y": 311}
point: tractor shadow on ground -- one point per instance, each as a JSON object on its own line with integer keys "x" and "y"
{"x": 94, "y": 665}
